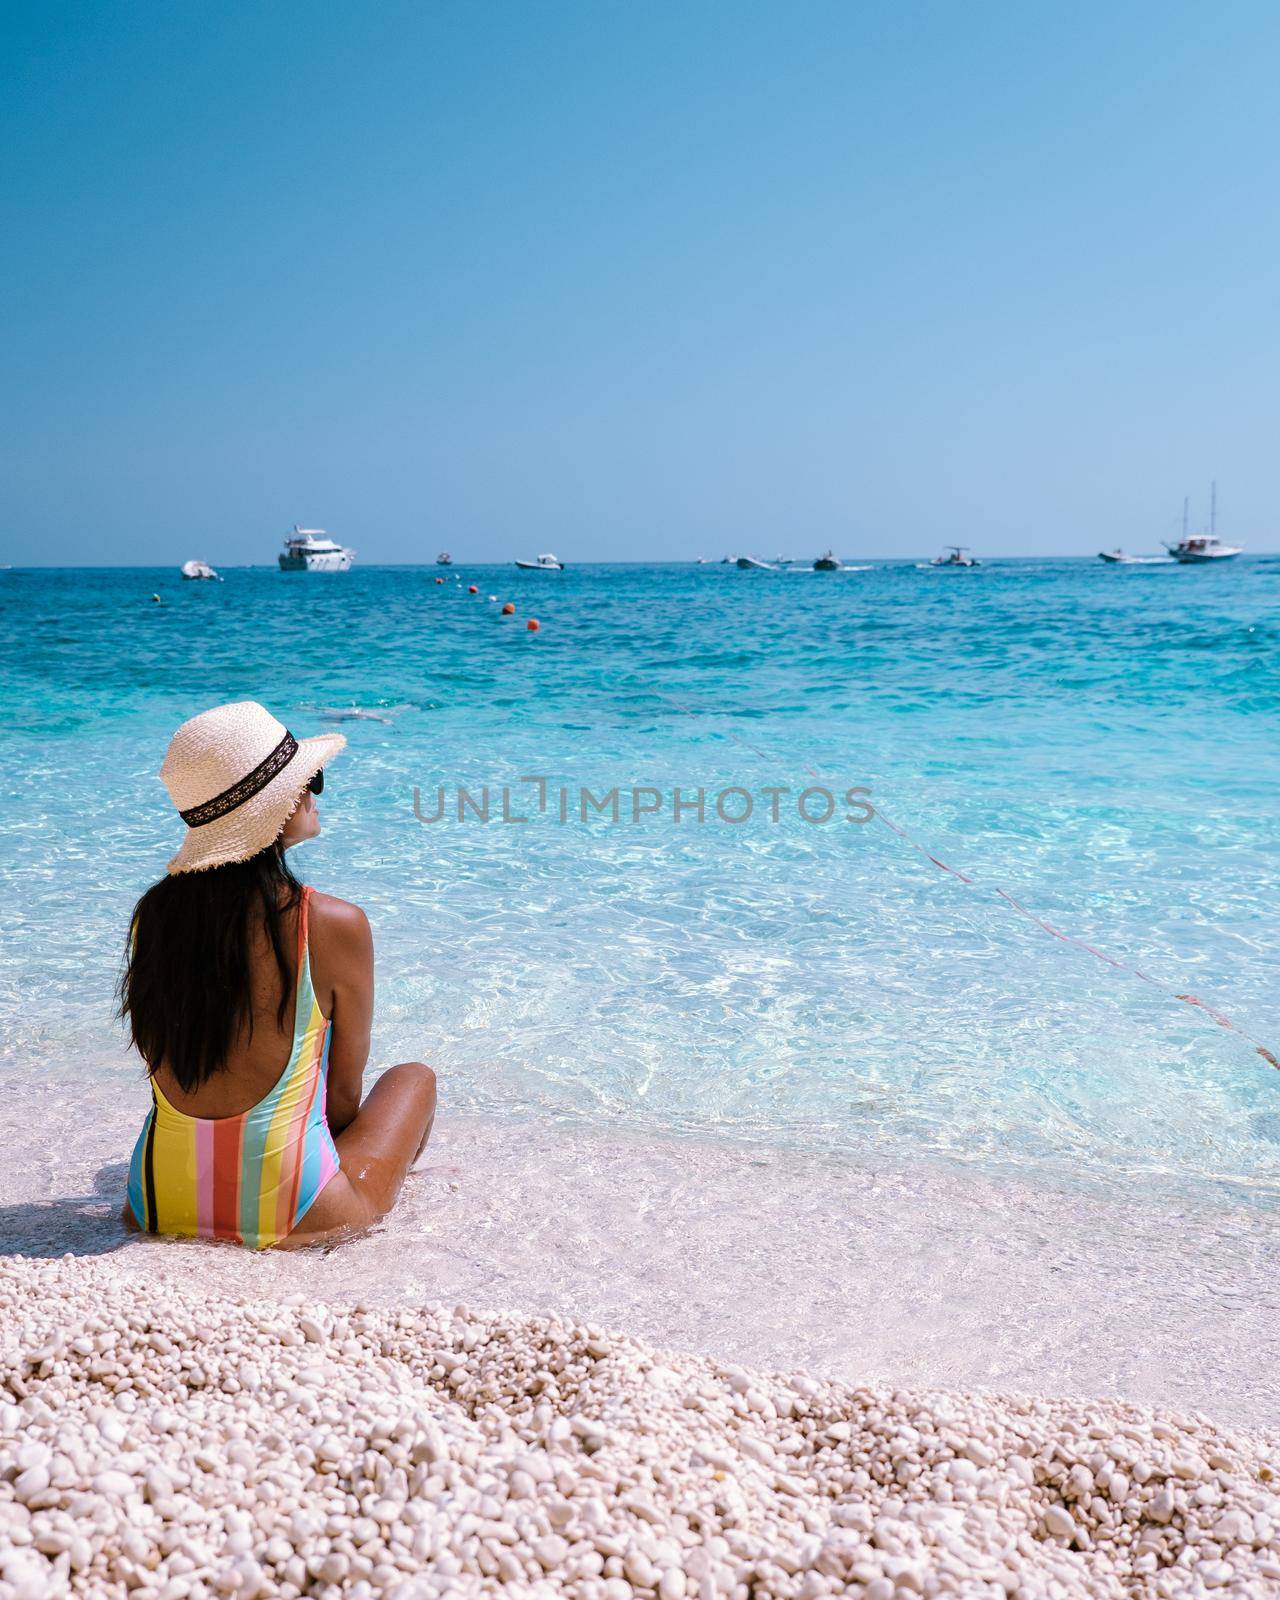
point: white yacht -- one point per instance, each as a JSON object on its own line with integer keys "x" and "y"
{"x": 754, "y": 564}
{"x": 959, "y": 557}
{"x": 444, "y": 559}
{"x": 546, "y": 562}
{"x": 200, "y": 570}
{"x": 1201, "y": 547}
{"x": 312, "y": 550}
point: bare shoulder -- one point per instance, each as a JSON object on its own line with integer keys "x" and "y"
{"x": 341, "y": 949}
{"x": 339, "y": 926}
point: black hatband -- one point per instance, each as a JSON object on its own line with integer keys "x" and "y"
{"x": 246, "y": 788}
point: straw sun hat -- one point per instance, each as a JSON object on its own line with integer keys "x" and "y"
{"x": 236, "y": 776}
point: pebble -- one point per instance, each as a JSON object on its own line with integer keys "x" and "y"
{"x": 1060, "y": 1522}
{"x": 27, "y": 1485}
{"x": 173, "y": 1445}
{"x": 551, "y": 1550}
{"x": 115, "y": 1485}
{"x": 639, "y": 1570}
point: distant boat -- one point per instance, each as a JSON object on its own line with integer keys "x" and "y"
{"x": 312, "y": 550}
{"x": 1202, "y": 547}
{"x": 827, "y": 563}
{"x": 959, "y": 557}
{"x": 754, "y": 564}
{"x": 200, "y": 570}
{"x": 444, "y": 559}
{"x": 545, "y": 563}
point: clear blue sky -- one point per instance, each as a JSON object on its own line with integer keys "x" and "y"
{"x": 635, "y": 281}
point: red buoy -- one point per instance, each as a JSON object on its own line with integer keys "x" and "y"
{"x": 471, "y": 589}
{"x": 533, "y": 624}
{"x": 508, "y": 610}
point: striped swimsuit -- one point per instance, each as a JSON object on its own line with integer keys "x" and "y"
{"x": 250, "y": 1178}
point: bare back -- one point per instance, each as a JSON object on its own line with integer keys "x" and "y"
{"x": 260, "y": 1054}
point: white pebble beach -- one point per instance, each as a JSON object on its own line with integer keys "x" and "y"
{"x": 167, "y": 1443}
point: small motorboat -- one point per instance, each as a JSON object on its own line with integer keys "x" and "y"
{"x": 827, "y": 562}
{"x": 959, "y": 557}
{"x": 545, "y": 563}
{"x": 200, "y": 570}
{"x": 754, "y": 564}
{"x": 444, "y": 559}
{"x": 1121, "y": 558}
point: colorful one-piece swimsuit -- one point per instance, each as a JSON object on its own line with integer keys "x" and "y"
{"x": 250, "y": 1178}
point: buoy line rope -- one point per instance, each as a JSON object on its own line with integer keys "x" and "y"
{"x": 1165, "y": 989}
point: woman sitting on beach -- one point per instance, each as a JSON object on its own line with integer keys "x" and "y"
{"x": 250, "y": 997}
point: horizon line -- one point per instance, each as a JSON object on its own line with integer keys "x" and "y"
{"x": 687, "y": 561}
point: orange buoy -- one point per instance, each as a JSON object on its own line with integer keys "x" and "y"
{"x": 471, "y": 589}
{"x": 508, "y": 610}
{"x": 533, "y": 624}
{"x": 439, "y": 580}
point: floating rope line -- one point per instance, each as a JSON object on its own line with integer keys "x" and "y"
{"x": 1165, "y": 989}
{"x": 1081, "y": 944}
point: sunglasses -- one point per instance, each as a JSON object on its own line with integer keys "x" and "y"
{"x": 316, "y": 784}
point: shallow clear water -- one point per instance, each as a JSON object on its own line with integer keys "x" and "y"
{"x": 1099, "y": 742}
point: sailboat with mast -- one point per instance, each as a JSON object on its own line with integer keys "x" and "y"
{"x": 1198, "y": 548}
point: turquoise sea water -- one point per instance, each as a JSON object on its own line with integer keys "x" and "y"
{"x": 1099, "y": 742}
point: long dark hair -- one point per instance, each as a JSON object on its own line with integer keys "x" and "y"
{"x": 185, "y": 991}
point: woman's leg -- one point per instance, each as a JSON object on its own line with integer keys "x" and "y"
{"x": 376, "y": 1149}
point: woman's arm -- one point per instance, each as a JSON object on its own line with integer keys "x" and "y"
{"x": 342, "y": 967}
